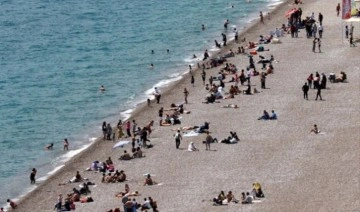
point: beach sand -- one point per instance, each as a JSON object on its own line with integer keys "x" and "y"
{"x": 298, "y": 171}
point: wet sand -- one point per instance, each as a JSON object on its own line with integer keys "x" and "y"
{"x": 298, "y": 171}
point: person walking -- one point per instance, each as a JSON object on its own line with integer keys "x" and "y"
{"x": 178, "y": 139}
{"x": 305, "y": 89}
{"x": 318, "y": 93}
{"x": 320, "y": 29}
{"x": 314, "y": 45}
{"x": 208, "y": 140}
{"x": 338, "y": 9}
{"x": 186, "y": 94}
{"x": 32, "y": 176}
{"x": 319, "y": 44}
{"x": 192, "y": 80}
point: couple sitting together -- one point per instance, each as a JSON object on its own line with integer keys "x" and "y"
{"x": 224, "y": 200}
{"x": 117, "y": 177}
{"x": 266, "y": 116}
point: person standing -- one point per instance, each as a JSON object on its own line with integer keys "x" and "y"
{"x": 32, "y": 176}
{"x": 178, "y": 139}
{"x": 338, "y": 9}
{"x": 224, "y": 39}
{"x": 321, "y": 17}
{"x": 305, "y": 89}
{"x": 134, "y": 127}
{"x": 66, "y": 144}
{"x": 262, "y": 80}
{"x": 103, "y": 127}
{"x": 128, "y": 127}
{"x": 261, "y": 17}
{"x": 161, "y": 113}
{"x": 208, "y": 140}
{"x": 192, "y": 80}
{"x": 203, "y": 76}
{"x": 157, "y": 95}
{"x": 318, "y": 93}
{"x": 186, "y": 94}
{"x": 310, "y": 79}
{"x": 319, "y": 44}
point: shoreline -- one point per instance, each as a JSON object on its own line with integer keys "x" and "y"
{"x": 141, "y": 105}
{"x": 67, "y": 171}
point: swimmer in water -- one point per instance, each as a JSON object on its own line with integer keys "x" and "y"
{"x": 102, "y": 88}
{"x": 203, "y": 27}
{"x": 152, "y": 52}
{"x": 167, "y": 50}
{"x": 151, "y": 65}
{"x": 194, "y": 56}
{"x": 49, "y": 147}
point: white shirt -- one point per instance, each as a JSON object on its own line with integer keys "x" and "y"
{"x": 249, "y": 199}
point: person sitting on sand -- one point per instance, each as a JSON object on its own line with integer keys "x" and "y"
{"x": 229, "y": 198}
{"x": 248, "y": 90}
{"x": 192, "y": 147}
{"x": 148, "y": 181}
{"x": 220, "y": 198}
{"x": 273, "y": 115}
{"x": 257, "y": 190}
{"x": 94, "y": 166}
{"x": 204, "y": 128}
{"x": 146, "y": 205}
{"x": 138, "y": 153}
{"x": 49, "y": 147}
{"x": 75, "y": 196}
{"x": 76, "y": 178}
{"x": 265, "y": 116}
{"x": 315, "y": 129}
{"x": 13, "y": 205}
{"x": 125, "y": 156}
{"x": 341, "y": 77}
{"x": 248, "y": 199}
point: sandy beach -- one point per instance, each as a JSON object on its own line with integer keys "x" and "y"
{"x": 298, "y": 171}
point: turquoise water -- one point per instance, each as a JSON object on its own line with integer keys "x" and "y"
{"x": 56, "y": 54}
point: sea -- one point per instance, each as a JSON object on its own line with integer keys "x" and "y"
{"x": 55, "y": 54}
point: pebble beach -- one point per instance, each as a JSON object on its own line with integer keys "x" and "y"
{"x": 298, "y": 171}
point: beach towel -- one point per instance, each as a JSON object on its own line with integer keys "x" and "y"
{"x": 190, "y": 134}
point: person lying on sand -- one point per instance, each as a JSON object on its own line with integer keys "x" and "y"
{"x": 230, "y": 106}
{"x": 123, "y": 194}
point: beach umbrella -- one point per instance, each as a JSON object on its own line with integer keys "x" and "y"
{"x": 288, "y": 13}
{"x": 120, "y": 144}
